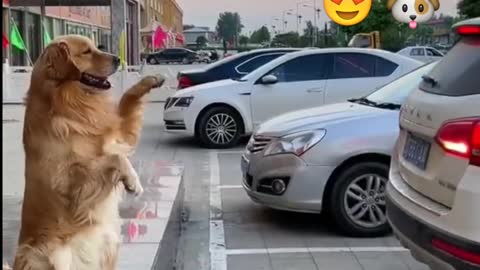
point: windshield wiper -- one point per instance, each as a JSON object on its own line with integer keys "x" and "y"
{"x": 430, "y": 80}
{"x": 389, "y": 106}
{"x": 363, "y": 100}
{"x": 385, "y": 105}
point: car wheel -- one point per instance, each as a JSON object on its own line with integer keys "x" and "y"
{"x": 357, "y": 200}
{"x": 185, "y": 61}
{"x": 219, "y": 127}
{"x": 152, "y": 61}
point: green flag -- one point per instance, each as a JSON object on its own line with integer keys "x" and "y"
{"x": 16, "y": 39}
{"x": 46, "y": 36}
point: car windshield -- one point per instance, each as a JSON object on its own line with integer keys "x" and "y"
{"x": 395, "y": 93}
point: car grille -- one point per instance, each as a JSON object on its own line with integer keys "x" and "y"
{"x": 175, "y": 125}
{"x": 170, "y": 102}
{"x": 258, "y": 143}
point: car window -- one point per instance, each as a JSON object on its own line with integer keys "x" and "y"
{"x": 433, "y": 52}
{"x": 457, "y": 73}
{"x": 254, "y": 63}
{"x": 353, "y": 65}
{"x": 304, "y": 68}
{"x": 417, "y": 52}
{"x": 398, "y": 90}
{"x": 384, "y": 67}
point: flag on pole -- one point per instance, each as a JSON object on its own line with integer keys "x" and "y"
{"x": 46, "y": 36}
{"x": 5, "y": 41}
{"x": 16, "y": 39}
{"x": 122, "y": 50}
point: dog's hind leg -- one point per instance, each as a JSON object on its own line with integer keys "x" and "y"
{"x": 130, "y": 107}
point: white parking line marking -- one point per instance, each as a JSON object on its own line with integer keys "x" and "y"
{"x": 218, "y": 258}
{"x": 230, "y": 186}
{"x": 312, "y": 250}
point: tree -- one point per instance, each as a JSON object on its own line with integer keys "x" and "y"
{"x": 260, "y": 35}
{"x": 201, "y": 41}
{"x": 290, "y": 39}
{"x": 229, "y": 25}
{"x": 469, "y": 8}
{"x": 243, "y": 40}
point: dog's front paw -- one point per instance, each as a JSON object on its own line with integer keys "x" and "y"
{"x": 154, "y": 81}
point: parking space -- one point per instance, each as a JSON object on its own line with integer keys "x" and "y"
{"x": 260, "y": 238}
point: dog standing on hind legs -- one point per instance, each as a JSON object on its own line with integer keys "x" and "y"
{"x": 77, "y": 141}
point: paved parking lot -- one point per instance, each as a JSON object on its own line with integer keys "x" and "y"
{"x": 224, "y": 227}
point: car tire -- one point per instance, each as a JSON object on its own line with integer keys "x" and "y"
{"x": 219, "y": 128}
{"x": 346, "y": 197}
{"x": 152, "y": 61}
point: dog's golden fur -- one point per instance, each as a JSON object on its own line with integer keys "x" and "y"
{"x": 76, "y": 141}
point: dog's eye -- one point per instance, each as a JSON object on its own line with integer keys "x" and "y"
{"x": 405, "y": 8}
{"x": 421, "y": 7}
{"x": 87, "y": 51}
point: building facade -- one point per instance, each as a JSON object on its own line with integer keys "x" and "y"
{"x": 91, "y": 21}
{"x": 164, "y": 13}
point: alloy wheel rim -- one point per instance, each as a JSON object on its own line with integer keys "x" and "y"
{"x": 364, "y": 201}
{"x": 221, "y": 128}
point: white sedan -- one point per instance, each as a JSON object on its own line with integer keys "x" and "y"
{"x": 422, "y": 53}
{"x": 219, "y": 113}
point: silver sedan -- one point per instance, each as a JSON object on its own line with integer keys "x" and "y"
{"x": 334, "y": 158}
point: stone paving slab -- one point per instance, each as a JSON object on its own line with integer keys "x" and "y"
{"x": 150, "y": 223}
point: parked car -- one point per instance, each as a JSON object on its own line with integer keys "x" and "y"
{"x": 231, "y": 67}
{"x": 204, "y": 56}
{"x": 332, "y": 158}
{"x": 422, "y": 53}
{"x": 433, "y": 196}
{"x": 219, "y": 113}
{"x": 172, "y": 55}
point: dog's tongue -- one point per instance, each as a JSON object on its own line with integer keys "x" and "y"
{"x": 413, "y": 25}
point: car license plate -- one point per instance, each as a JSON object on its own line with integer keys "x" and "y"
{"x": 416, "y": 151}
{"x": 245, "y": 164}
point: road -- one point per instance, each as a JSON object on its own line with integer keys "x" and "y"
{"x": 243, "y": 235}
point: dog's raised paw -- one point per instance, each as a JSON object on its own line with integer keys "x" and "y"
{"x": 154, "y": 81}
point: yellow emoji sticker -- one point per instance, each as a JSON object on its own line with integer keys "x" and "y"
{"x": 347, "y": 12}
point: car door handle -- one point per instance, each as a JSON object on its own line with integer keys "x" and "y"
{"x": 314, "y": 90}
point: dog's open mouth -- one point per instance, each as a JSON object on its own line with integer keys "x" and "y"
{"x": 347, "y": 15}
{"x": 94, "y": 81}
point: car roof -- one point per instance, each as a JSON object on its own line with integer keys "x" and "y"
{"x": 474, "y": 21}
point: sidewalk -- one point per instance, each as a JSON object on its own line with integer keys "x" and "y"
{"x": 150, "y": 224}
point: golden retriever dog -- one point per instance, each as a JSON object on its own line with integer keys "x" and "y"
{"x": 76, "y": 141}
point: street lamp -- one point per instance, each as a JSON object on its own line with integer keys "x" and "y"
{"x": 316, "y": 14}
{"x": 286, "y": 12}
{"x": 299, "y": 17}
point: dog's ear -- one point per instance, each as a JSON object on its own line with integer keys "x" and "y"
{"x": 436, "y": 4}
{"x": 58, "y": 62}
{"x": 390, "y": 4}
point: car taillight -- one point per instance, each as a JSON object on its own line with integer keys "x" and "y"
{"x": 466, "y": 30}
{"x": 184, "y": 82}
{"x": 461, "y": 138}
{"x": 455, "y": 251}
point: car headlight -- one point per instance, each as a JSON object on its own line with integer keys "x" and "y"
{"x": 184, "y": 102}
{"x": 296, "y": 143}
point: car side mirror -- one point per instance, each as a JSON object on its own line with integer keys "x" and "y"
{"x": 269, "y": 79}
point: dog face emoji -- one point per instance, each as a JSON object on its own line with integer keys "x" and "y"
{"x": 413, "y": 11}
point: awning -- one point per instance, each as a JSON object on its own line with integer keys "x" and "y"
{"x": 150, "y": 28}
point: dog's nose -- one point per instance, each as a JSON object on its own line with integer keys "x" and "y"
{"x": 116, "y": 61}
{"x": 413, "y": 17}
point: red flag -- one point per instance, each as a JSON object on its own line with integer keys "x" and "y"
{"x": 180, "y": 38}
{"x": 5, "y": 41}
{"x": 159, "y": 38}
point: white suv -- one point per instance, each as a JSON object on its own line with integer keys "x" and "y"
{"x": 433, "y": 196}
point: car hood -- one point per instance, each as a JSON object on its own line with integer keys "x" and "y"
{"x": 319, "y": 117}
{"x": 211, "y": 86}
